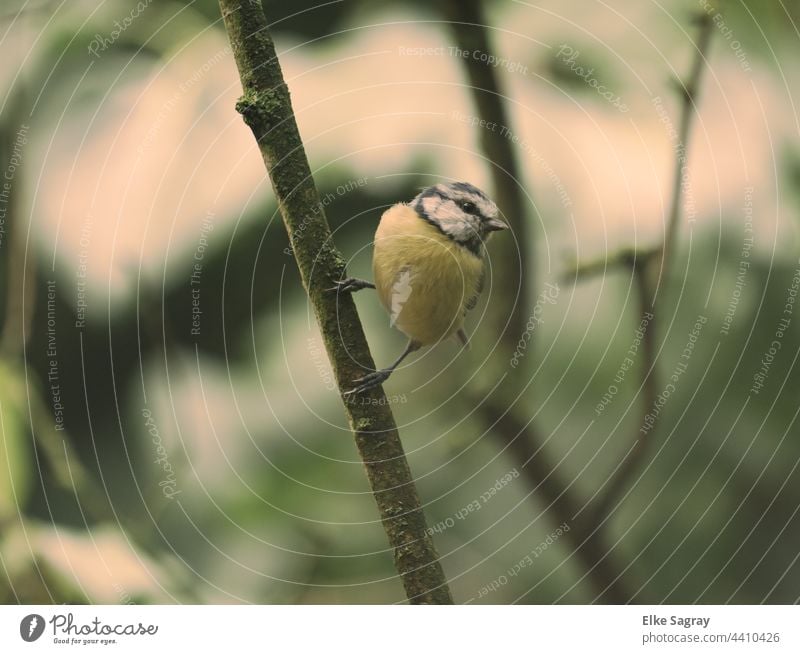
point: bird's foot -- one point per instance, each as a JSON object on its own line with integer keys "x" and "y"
{"x": 371, "y": 380}
{"x": 462, "y": 336}
{"x": 351, "y": 285}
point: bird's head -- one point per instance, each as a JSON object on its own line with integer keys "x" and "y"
{"x": 461, "y": 212}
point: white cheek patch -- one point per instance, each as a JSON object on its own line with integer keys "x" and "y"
{"x": 430, "y": 205}
{"x": 448, "y": 212}
{"x": 461, "y": 228}
{"x": 442, "y": 212}
{"x": 450, "y": 218}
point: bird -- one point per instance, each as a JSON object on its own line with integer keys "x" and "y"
{"x": 428, "y": 266}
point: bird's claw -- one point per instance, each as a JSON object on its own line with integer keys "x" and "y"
{"x": 371, "y": 380}
{"x": 350, "y": 285}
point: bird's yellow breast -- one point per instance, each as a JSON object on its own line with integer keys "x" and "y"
{"x": 423, "y": 278}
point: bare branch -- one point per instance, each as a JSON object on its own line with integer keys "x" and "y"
{"x": 627, "y": 259}
{"x": 620, "y": 480}
{"x": 20, "y": 260}
{"x": 468, "y": 27}
{"x": 587, "y": 538}
{"x": 520, "y": 439}
{"x": 689, "y": 93}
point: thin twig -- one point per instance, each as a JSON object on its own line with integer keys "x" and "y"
{"x": 620, "y": 480}
{"x": 626, "y": 259}
{"x": 689, "y": 93}
{"x": 267, "y": 110}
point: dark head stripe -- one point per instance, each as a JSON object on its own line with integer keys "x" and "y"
{"x": 466, "y": 187}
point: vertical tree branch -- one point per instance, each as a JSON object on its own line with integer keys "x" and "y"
{"x": 20, "y": 270}
{"x": 266, "y": 108}
{"x": 468, "y": 27}
{"x": 620, "y": 478}
{"x": 520, "y": 439}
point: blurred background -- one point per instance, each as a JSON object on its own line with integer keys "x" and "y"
{"x": 170, "y": 427}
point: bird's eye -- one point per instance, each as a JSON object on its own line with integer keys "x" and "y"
{"x": 468, "y": 207}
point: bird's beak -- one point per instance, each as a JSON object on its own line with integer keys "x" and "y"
{"x": 495, "y": 225}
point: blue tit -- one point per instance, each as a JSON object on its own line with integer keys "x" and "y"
{"x": 428, "y": 264}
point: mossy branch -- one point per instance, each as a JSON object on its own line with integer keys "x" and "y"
{"x": 267, "y": 110}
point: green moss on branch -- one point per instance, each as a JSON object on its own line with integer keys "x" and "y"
{"x": 267, "y": 110}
